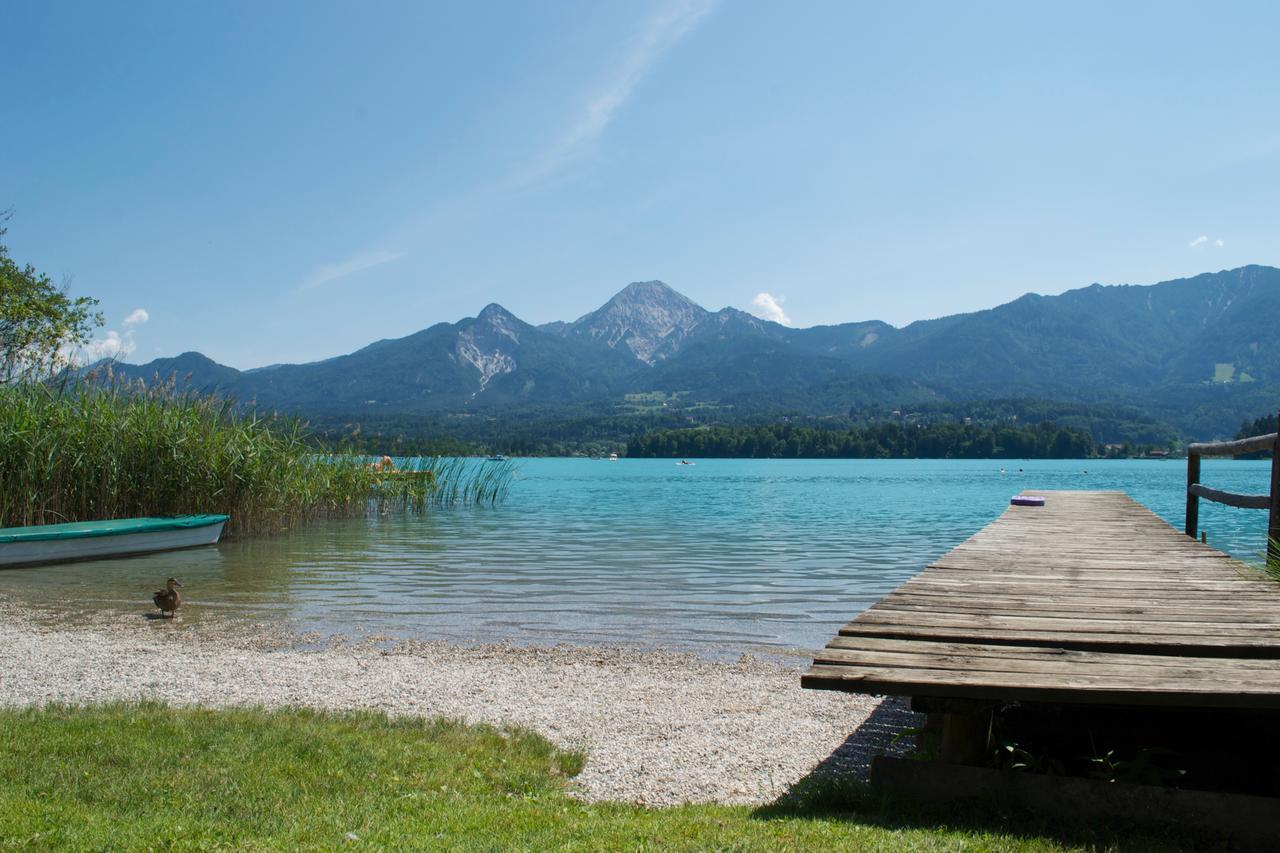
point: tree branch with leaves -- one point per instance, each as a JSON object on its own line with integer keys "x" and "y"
{"x": 39, "y": 322}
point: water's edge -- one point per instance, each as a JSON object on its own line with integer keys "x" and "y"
{"x": 723, "y": 557}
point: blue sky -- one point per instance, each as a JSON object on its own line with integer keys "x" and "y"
{"x": 289, "y": 181}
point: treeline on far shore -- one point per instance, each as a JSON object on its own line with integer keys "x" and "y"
{"x": 1257, "y": 426}
{"x": 877, "y": 441}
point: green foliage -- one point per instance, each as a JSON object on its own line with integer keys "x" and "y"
{"x": 524, "y": 431}
{"x": 1013, "y": 756}
{"x": 600, "y": 429}
{"x": 1270, "y": 565}
{"x": 129, "y": 777}
{"x": 1107, "y": 424}
{"x": 38, "y": 321}
{"x": 1144, "y": 768}
{"x": 408, "y": 440}
{"x": 892, "y": 440}
{"x": 91, "y": 451}
{"x": 1258, "y": 426}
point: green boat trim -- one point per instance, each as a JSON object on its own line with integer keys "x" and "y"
{"x": 114, "y": 527}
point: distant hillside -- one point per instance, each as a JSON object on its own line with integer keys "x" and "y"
{"x": 1195, "y": 353}
{"x": 1102, "y": 341}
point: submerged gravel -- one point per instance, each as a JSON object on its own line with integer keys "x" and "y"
{"x": 659, "y": 727}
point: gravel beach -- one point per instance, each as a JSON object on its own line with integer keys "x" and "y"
{"x": 659, "y": 728}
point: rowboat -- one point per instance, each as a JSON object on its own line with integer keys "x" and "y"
{"x": 97, "y": 540}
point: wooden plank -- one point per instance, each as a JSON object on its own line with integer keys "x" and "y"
{"x": 1245, "y": 643}
{"x": 1202, "y": 646}
{"x": 991, "y": 659}
{"x": 969, "y": 585}
{"x": 1066, "y": 624}
{"x": 946, "y": 579}
{"x": 1104, "y": 580}
{"x": 912, "y": 682}
{"x": 873, "y": 645}
{"x": 1057, "y": 609}
{"x": 1091, "y": 598}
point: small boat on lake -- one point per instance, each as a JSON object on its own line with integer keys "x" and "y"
{"x": 97, "y": 540}
{"x": 613, "y": 457}
{"x": 497, "y": 457}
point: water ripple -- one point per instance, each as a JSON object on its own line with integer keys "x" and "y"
{"x": 723, "y": 557}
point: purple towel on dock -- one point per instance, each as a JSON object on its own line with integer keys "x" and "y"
{"x": 1026, "y": 500}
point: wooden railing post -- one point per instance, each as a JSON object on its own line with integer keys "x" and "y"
{"x": 1270, "y": 442}
{"x": 1193, "y": 500}
{"x": 1273, "y": 517}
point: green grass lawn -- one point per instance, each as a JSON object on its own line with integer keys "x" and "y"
{"x": 149, "y": 776}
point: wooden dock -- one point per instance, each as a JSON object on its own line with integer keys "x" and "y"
{"x": 1091, "y": 598}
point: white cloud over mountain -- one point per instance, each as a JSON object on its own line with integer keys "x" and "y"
{"x": 766, "y": 306}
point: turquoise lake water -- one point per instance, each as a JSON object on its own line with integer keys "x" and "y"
{"x": 721, "y": 557}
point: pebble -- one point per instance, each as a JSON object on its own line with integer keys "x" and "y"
{"x": 659, "y": 727}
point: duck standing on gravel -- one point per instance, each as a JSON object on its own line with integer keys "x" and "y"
{"x": 168, "y": 599}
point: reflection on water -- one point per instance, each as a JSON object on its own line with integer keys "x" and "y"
{"x": 724, "y": 556}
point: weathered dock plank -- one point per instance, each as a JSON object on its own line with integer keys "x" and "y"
{"x": 1091, "y": 598}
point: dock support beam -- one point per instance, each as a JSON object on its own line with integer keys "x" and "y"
{"x": 964, "y": 738}
{"x": 959, "y": 729}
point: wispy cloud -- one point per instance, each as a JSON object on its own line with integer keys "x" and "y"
{"x": 1204, "y": 240}
{"x": 326, "y": 273}
{"x": 663, "y": 30}
{"x": 137, "y": 318}
{"x": 766, "y": 306}
{"x": 583, "y": 126}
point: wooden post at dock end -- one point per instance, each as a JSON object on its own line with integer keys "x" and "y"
{"x": 964, "y": 738}
{"x": 1193, "y": 500}
{"x": 1273, "y": 516}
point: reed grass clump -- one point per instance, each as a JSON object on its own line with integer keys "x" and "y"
{"x": 91, "y": 451}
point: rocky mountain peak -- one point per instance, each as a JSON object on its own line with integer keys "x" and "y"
{"x": 495, "y": 312}
{"x": 648, "y": 317}
{"x": 489, "y": 344}
{"x": 650, "y": 291}
{"x": 493, "y": 319}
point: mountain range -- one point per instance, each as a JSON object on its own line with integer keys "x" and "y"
{"x": 1200, "y": 353}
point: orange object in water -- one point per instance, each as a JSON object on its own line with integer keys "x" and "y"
{"x": 383, "y": 464}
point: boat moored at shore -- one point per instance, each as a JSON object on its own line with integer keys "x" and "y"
{"x": 97, "y": 540}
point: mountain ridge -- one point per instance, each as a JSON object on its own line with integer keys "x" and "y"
{"x": 1195, "y": 343}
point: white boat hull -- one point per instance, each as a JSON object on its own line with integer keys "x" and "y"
{"x": 102, "y": 547}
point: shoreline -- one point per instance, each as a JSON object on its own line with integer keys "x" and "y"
{"x": 659, "y": 727}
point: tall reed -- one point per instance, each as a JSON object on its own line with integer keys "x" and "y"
{"x": 115, "y": 451}
{"x": 462, "y": 480}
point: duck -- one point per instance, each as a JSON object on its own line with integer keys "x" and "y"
{"x": 168, "y": 599}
